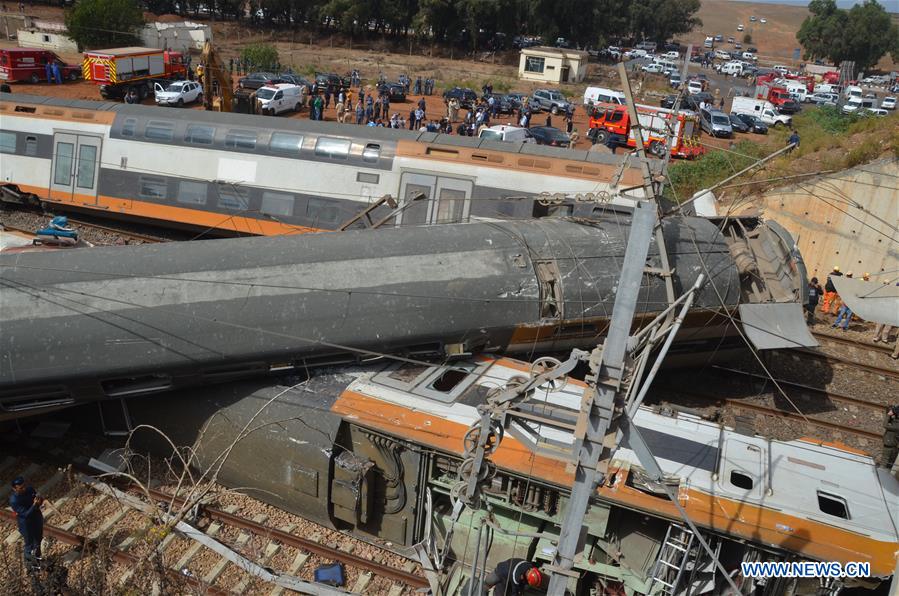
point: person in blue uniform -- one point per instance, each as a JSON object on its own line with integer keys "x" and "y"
{"x": 26, "y": 504}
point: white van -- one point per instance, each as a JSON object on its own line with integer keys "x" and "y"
{"x": 732, "y": 68}
{"x": 695, "y": 86}
{"x": 797, "y": 90}
{"x": 595, "y": 95}
{"x": 781, "y": 69}
{"x": 853, "y": 91}
{"x": 510, "y": 134}
{"x": 668, "y": 66}
{"x": 762, "y": 109}
{"x": 827, "y": 88}
{"x": 709, "y": 41}
{"x": 276, "y": 99}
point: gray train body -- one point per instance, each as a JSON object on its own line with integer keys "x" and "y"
{"x": 98, "y": 323}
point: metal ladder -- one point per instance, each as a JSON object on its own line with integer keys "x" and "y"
{"x": 673, "y": 557}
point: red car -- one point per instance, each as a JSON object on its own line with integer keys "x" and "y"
{"x": 23, "y": 64}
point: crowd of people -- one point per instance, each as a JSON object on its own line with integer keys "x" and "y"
{"x": 833, "y": 306}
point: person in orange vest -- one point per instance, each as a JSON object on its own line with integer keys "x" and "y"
{"x": 830, "y": 291}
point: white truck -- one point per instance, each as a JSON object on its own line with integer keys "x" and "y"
{"x": 796, "y": 89}
{"x": 762, "y": 109}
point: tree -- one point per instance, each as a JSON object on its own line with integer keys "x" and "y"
{"x": 863, "y": 34}
{"x": 747, "y": 38}
{"x": 261, "y": 56}
{"x": 104, "y": 23}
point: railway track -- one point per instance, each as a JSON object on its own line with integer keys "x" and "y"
{"x": 740, "y": 404}
{"x": 831, "y": 395}
{"x": 835, "y": 360}
{"x": 84, "y": 519}
{"x": 117, "y": 231}
{"x": 885, "y": 349}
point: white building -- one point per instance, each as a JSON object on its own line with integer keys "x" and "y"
{"x": 180, "y": 37}
{"x": 552, "y": 65}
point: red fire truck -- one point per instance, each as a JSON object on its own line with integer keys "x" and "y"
{"x": 655, "y": 123}
{"x": 22, "y": 64}
{"x": 765, "y": 88}
{"x": 119, "y": 70}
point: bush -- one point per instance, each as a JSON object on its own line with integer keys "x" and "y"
{"x": 261, "y": 56}
{"x": 687, "y": 177}
{"x": 747, "y": 38}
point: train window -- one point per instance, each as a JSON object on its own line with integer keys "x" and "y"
{"x": 30, "y": 145}
{"x": 367, "y": 178}
{"x": 7, "y": 142}
{"x": 833, "y": 505}
{"x": 199, "y": 134}
{"x": 128, "y": 127}
{"x": 152, "y": 188}
{"x": 741, "y": 480}
{"x": 233, "y": 197}
{"x": 192, "y": 193}
{"x": 286, "y": 143}
{"x": 65, "y": 156}
{"x": 321, "y": 210}
{"x": 276, "y": 203}
{"x": 450, "y": 206}
{"x": 240, "y": 139}
{"x": 371, "y": 152}
{"x": 330, "y": 147}
{"x": 87, "y": 166}
{"x": 159, "y": 130}
{"x": 449, "y": 380}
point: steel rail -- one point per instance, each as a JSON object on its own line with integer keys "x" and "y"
{"x": 298, "y": 542}
{"x": 830, "y": 358}
{"x": 851, "y": 342}
{"x": 794, "y": 416}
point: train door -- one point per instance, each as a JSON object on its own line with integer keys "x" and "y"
{"x": 76, "y": 168}
{"x": 432, "y": 199}
{"x": 743, "y": 469}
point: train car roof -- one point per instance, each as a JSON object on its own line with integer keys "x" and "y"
{"x": 329, "y": 128}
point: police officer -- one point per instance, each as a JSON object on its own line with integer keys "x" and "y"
{"x": 26, "y": 504}
{"x": 513, "y": 576}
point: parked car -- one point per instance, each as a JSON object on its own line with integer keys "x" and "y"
{"x": 737, "y": 124}
{"x": 178, "y": 93}
{"x": 466, "y": 96}
{"x": 674, "y": 80}
{"x": 331, "y": 80}
{"x": 888, "y": 103}
{"x": 672, "y": 55}
{"x": 295, "y": 79}
{"x": 730, "y": 40}
{"x": 875, "y": 112}
{"x": 517, "y": 98}
{"x": 754, "y": 123}
{"x": 395, "y": 92}
{"x": 504, "y": 103}
{"x": 738, "y": 46}
{"x": 763, "y": 21}
{"x": 752, "y": 49}
{"x": 549, "y": 135}
{"x": 822, "y": 99}
{"x": 549, "y": 99}
{"x": 668, "y": 101}
{"x": 715, "y": 123}
{"x": 740, "y": 27}
{"x": 255, "y": 80}
{"x": 719, "y": 37}
{"x": 653, "y": 68}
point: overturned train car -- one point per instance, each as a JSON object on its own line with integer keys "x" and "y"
{"x": 375, "y": 450}
{"x": 113, "y": 322}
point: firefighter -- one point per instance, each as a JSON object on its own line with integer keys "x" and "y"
{"x": 513, "y": 576}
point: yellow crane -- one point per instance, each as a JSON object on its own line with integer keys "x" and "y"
{"x": 216, "y": 80}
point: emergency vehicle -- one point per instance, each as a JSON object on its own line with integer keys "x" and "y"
{"x": 119, "y": 70}
{"x": 655, "y": 123}
{"x": 28, "y": 65}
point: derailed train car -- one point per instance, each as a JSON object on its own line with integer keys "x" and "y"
{"x": 225, "y": 174}
{"x": 375, "y": 451}
{"x": 120, "y": 321}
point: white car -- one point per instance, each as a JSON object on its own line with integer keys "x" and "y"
{"x": 875, "y": 112}
{"x": 888, "y": 103}
{"x": 652, "y": 68}
{"x": 178, "y": 93}
{"x": 672, "y": 55}
{"x": 763, "y": 21}
{"x": 739, "y": 27}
